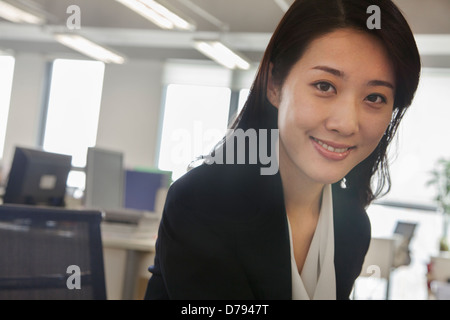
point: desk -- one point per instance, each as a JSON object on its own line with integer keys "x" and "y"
{"x": 128, "y": 252}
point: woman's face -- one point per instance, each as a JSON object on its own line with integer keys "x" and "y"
{"x": 334, "y": 106}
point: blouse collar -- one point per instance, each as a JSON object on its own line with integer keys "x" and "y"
{"x": 318, "y": 279}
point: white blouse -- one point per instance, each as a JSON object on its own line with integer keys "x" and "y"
{"x": 317, "y": 280}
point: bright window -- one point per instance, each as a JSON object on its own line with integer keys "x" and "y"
{"x": 195, "y": 119}
{"x": 6, "y": 78}
{"x": 73, "y": 110}
{"x": 422, "y": 139}
{"x": 243, "y": 95}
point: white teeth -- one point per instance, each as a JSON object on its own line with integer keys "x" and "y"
{"x": 330, "y": 148}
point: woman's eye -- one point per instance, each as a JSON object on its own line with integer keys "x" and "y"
{"x": 324, "y": 87}
{"x": 376, "y": 98}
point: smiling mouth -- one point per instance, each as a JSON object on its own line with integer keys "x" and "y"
{"x": 335, "y": 149}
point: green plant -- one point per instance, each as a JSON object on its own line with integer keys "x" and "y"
{"x": 440, "y": 178}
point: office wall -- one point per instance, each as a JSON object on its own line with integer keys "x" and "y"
{"x": 130, "y": 111}
{"x": 129, "y": 114}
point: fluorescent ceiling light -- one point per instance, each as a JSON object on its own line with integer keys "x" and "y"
{"x": 14, "y": 14}
{"x": 158, "y": 14}
{"x": 223, "y": 55}
{"x": 89, "y": 48}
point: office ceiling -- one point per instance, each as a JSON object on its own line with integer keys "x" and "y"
{"x": 244, "y": 24}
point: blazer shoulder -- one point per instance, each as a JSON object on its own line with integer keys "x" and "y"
{"x": 217, "y": 192}
{"x": 218, "y": 176}
{"x": 192, "y": 235}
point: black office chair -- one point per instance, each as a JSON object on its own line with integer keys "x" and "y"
{"x": 50, "y": 254}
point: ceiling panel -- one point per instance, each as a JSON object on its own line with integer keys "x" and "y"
{"x": 114, "y": 25}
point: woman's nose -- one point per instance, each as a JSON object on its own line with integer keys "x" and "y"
{"x": 343, "y": 117}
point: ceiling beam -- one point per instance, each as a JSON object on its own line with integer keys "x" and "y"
{"x": 137, "y": 37}
{"x": 428, "y": 44}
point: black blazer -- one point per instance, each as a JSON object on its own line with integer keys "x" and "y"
{"x": 224, "y": 235}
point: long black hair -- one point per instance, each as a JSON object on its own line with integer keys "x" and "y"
{"x": 307, "y": 20}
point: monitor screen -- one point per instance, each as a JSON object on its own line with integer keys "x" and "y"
{"x": 37, "y": 178}
{"x": 406, "y": 229}
{"x": 104, "y": 179}
{"x": 141, "y": 188}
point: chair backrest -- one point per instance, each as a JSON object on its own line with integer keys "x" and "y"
{"x": 50, "y": 253}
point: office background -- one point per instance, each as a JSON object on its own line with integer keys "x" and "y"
{"x": 169, "y": 103}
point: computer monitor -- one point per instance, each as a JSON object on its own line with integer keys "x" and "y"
{"x": 104, "y": 179}
{"x": 37, "y": 177}
{"x": 141, "y": 188}
{"x": 405, "y": 229}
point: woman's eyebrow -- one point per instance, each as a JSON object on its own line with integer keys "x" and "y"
{"x": 375, "y": 83}
{"x": 333, "y": 71}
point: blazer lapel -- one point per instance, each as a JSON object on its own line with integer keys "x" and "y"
{"x": 264, "y": 241}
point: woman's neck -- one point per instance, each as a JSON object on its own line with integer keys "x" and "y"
{"x": 302, "y": 196}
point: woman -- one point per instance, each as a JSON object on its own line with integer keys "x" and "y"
{"x": 335, "y": 91}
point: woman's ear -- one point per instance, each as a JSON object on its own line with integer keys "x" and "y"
{"x": 273, "y": 90}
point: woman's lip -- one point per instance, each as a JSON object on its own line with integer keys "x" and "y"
{"x": 333, "y": 144}
{"x": 336, "y": 154}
